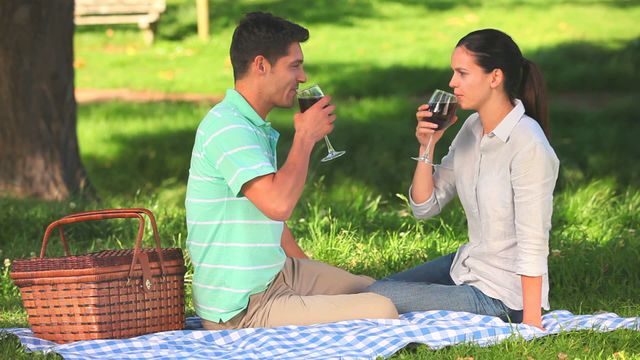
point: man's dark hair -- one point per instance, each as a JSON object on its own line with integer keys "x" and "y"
{"x": 262, "y": 34}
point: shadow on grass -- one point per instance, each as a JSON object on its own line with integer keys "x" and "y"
{"x": 378, "y": 136}
{"x": 146, "y": 161}
{"x": 584, "y": 66}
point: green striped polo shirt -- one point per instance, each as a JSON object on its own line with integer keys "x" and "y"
{"x": 234, "y": 247}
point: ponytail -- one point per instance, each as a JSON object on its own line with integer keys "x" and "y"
{"x": 534, "y": 95}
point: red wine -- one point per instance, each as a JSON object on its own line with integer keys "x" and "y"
{"x": 307, "y": 102}
{"x": 442, "y": 114}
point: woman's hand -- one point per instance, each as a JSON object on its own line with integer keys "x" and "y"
{"x": 426, "y": 129}
{"x": 533, "y": 321}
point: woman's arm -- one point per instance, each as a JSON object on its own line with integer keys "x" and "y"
{"x": 531, "y": 300}
{"x": 431, "y": 190}
{"x": 422, "y": 184}
{"x": 533, "y": 177}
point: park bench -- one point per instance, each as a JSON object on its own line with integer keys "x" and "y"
{"x": 145, "y": 13}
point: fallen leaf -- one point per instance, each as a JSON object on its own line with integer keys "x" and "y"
{"x": 167, "y": 74}
{"x": 79, "y": 63}
{"x": 619, "y": 355}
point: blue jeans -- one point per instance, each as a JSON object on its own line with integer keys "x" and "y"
{"x": 430, "y": 287}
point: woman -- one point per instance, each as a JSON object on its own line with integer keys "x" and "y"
{"x": 503, "y": 170}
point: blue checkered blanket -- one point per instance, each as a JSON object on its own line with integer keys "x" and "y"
{"x": 359, "y": 339}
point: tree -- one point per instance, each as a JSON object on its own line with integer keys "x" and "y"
{"x": 39, "y": 154}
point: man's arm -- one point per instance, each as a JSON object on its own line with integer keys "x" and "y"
{"x": 277, "y": 194}
{"x": 290, "y": 246}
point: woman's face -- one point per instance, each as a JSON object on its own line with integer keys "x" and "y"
{"x": 470, "y": 83}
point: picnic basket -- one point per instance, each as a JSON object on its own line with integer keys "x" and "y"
{"x": 105, "y": 294}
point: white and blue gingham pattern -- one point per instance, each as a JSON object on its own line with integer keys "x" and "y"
{"x": 358, "y": 339}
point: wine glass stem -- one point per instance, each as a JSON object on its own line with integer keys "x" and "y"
{"x": 427, "y": 151}
{"x": 329, "y": 147}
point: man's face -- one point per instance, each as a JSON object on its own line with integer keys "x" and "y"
{"x": 284, "y": 76}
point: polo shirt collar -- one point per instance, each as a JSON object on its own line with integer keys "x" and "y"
{"x": 236, "y": 99}
{"x": 505, "y": 127}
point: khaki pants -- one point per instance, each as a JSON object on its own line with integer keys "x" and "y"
{"x": 309, "y": 292}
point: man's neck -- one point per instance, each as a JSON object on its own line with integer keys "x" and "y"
{"x": 254, "y": 97}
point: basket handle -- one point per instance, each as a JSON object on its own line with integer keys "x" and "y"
{"x": 103, "y": 215}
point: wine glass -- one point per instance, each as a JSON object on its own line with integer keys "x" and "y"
{"x": 443, "y": 106}
{"x": 306, "y": 98}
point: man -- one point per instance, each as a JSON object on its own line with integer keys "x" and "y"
{"x": 249, "y": 270}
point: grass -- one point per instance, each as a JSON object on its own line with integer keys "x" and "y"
{"x": 377, "y": 58}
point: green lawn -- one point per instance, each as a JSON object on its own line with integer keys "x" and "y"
{"x": 378, "y": 59}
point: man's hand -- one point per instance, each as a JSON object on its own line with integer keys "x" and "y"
{"x": 317, "y": 121}
{"x": 277, "y": 194}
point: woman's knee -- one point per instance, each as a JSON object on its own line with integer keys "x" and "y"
{"x": 383, "y": 287}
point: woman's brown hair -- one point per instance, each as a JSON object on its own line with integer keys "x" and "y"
{"x": 494, "y": 49}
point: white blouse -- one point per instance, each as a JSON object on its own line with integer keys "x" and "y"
{"x": 505, "y": 181}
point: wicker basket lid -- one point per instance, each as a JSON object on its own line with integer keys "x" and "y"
{"x": 104, "y": 258}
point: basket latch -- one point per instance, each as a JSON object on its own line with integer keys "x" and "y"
{"x": 147, "y": 282}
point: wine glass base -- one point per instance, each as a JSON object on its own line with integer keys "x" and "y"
{"x": 423, "y": 159}
{"x": 332, "y": 155}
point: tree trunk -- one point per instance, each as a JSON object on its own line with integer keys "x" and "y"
{"x": 39, "y": 154}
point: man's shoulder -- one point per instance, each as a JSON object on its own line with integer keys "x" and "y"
{"x": 221, "y": 116}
